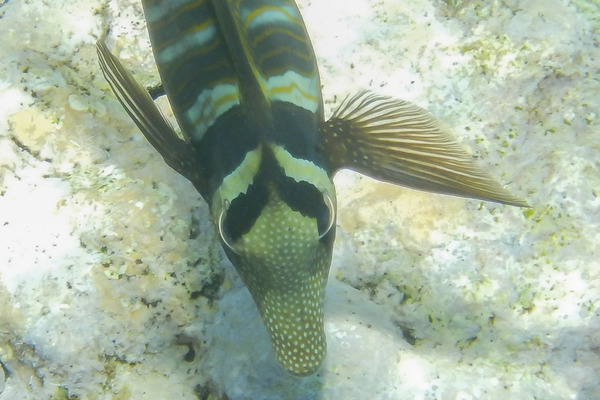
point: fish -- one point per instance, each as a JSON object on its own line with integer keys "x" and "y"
{"x": 243, "y": 82}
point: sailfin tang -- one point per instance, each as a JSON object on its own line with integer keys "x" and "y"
{"x": 141, "y": 108}
{"x": 398, "y": 142}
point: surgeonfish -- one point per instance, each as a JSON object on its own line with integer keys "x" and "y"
{"x": 242, "y": 79}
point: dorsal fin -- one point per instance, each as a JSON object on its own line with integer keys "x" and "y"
{"x": 250, "y": 82}
{"x": 271, "y": 52}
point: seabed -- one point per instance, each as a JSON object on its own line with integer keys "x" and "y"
{"x": 113, "y": 285}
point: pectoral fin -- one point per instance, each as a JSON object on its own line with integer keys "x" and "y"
{"x": 177, "y": 153}
{"x": 398, "y": 142}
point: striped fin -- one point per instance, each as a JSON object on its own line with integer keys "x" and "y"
{"x": 398, "y": 142}
{"x": 193, "y": 61}
{"x": 178, "y": 154}
{"x": 271, "y": 51}
{"x": 281, "y": 49}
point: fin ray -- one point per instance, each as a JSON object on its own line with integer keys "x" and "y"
{"x": 136, "y": 101}
{"x": 398, "y": 142}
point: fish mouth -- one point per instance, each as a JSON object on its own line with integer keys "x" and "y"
{"x": 294, "y": 321}
{"x": 290, "y": 299}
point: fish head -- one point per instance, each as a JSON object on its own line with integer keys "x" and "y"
{"x": 279, "y": 236}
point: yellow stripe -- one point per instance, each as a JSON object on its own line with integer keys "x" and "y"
{"x": 237, "y": 182}
{"x": 294, "y": 88}
{"x": 303, "y": 171}
{"x": 260, "y": 12}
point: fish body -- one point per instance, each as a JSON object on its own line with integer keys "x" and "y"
{"x": 242, "y": 79}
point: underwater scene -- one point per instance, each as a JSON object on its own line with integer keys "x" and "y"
{"x": 347, "y": 199}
